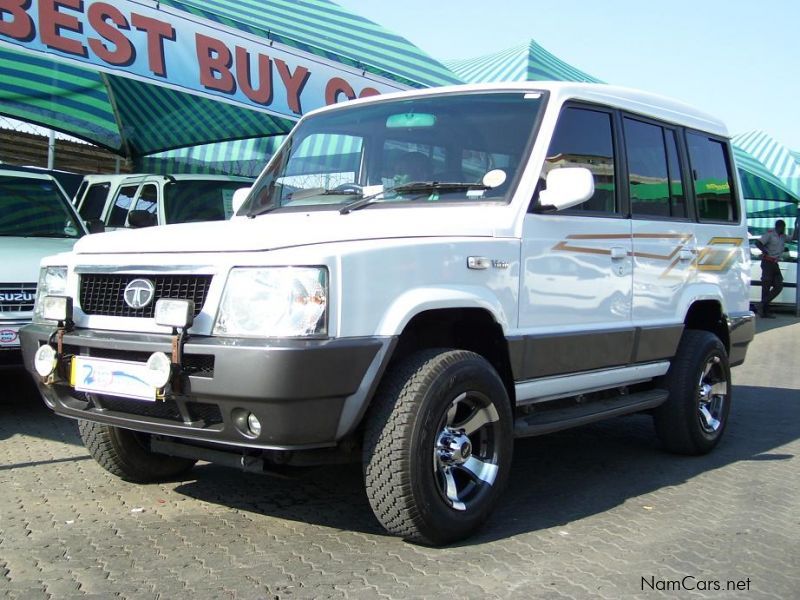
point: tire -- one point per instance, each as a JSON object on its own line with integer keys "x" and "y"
{"x": 437, "y": 446}
{"x": 125, "y": 453}
{"x": 695, "y": 415}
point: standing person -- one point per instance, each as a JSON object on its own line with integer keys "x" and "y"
{"x": 772, "y": 244}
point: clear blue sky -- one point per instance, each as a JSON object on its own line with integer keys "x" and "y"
{"x": 736, "y": 59}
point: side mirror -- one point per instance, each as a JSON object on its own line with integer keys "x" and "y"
{"x": 95, "y": 225}
{"x": 239, "y": 196}
{"x": 141, "y": 218}
{"x": 565, "y": 188}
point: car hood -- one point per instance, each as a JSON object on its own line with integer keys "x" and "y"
{"x": 284, "y": 230}
{"x": 20, "y": 256}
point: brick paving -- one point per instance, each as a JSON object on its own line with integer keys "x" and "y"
{"x": 595, "y": 512}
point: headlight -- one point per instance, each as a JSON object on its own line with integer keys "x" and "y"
{"x": 52, "y": 282}
{"x": 274, "y": 302}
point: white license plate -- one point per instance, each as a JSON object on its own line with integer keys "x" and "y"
{"x": 112, "y": 377}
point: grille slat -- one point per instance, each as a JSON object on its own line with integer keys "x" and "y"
{"x": 104, "y": 294}
{"x": 17, "y": 297}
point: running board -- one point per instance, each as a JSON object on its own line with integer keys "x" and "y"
{"x": 548, "y": 421}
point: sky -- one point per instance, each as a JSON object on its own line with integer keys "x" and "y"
{"x": 738, "y": 60}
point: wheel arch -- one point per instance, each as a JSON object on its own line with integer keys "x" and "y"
{"x": 708, "y": 315}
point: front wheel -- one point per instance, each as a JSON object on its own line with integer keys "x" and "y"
{"x": 127, "y": 455}
{"x": 695, "y": 415}
{"x": 438, "y": 446}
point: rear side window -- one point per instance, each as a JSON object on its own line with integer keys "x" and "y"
{"x": 584, "y": 138}
{"x": 713, "y": 181}
{"x": 122, "y": 203}
{"x": 94, "y": 201}
{"x": 148, "y": 199}
{"x": 654, "y": 173}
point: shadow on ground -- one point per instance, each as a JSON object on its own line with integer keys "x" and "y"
{"x": 555, "y": 479}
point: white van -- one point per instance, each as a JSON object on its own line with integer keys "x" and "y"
{"x": 36, "y": 220}
{"x": 414, "y": 281}
{"x": 145, "y": 200}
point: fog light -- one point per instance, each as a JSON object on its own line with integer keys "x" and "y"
{"x": 253, "y": 424}
{"x": 57, "y": 308}
{"x": 44, "y": 361}
{"x": 159, "y": 369}
{"x": 174, "y": 313}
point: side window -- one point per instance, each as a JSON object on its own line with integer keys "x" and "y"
{"x": 584, "y": 138}
{"x": 713, "y": 181}
{"x": 148, "y": 199}
{"x": 653, "y": 170}
{"x": 122, "y": 203}
{"x": 94, "y": 201}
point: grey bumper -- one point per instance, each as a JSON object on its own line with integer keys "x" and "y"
{"x": 742, "y": 330}
{"x": 305, "y": 393}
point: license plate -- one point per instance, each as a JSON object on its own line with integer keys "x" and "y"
{"x": 113, "y": 377}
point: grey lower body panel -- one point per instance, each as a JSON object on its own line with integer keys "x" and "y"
{"x": 742, "y": 329}
{"x": 305, "y": 393}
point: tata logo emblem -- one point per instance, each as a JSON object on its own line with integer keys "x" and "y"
{"x": 139, "y": 293}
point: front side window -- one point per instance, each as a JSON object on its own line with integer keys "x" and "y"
{"x": 654, "y": 174}
{"x": 31, "y": 207}
{"x": 94, "y": 201}
{"x": 445, "y": 148}
{"x": 584, "y": 138}
{"x": 713, "y": 181}
{"x": 122, "y": 203}
{"x": 148, "y": 199}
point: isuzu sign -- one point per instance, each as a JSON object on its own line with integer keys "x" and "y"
{"x": 168, "y": 47}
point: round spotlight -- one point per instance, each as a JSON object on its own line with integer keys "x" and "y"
{"x": 159, "y": 369}
{"x": 253, "y": 424}
{"x": 44, "y": 361}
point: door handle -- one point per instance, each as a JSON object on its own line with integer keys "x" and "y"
{"x": 618, "y": 253}
{"x": 686, "y": 254}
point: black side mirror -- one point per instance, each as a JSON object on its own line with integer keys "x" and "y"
{"x": 141, "y": 218}
{"x": 95, "y": 226}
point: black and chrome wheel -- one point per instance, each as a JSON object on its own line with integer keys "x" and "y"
{"x": 438, "y": 446}
{"x": 127, "y": 454}
{"x": 694, "y": 417}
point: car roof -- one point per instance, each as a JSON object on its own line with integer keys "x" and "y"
{"x": 637, "y": 101}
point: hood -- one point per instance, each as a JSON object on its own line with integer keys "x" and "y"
{"x": 284, "y": 230}
{"x": 20, "y": 256}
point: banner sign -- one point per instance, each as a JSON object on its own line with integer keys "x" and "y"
{"x": 164, "y": 46}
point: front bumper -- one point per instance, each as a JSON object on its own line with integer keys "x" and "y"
{"x": 10, "y": 355}
{"x": 305, "y": 393}
{"x": 742, "y": 330}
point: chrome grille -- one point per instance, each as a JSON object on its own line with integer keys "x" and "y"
{"x": 17, "y": 297}
{"x": 104, "y": 294}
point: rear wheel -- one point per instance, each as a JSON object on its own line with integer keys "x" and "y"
{"x": 694, "y": 417}
{"x": 127, "y": 454}
{"x": 438, "y": 446}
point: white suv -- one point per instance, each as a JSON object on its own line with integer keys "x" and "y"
{"x": 414, "y": 281}
{"x": 36, "y": 219}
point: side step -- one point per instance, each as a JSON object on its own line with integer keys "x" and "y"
{"x": 548, "y": 421}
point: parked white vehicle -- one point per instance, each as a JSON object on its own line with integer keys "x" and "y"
{"x": 414, "y": 281}
{"x": 36, "y": 220}
{"x": 145, "y": 200}
{"x": 788, "y": 267}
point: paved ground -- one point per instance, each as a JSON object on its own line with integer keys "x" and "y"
{"x": 595, "y": 512}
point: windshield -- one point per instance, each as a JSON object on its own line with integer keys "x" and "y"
{"x": 448, "y": 148}
{"x": 186, "y": 201}
{"x": 31, "y": 207}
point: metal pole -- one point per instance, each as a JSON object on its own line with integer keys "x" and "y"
{"x": 797, "y": 264}
{"x": 116, "y": 165}
{"x": 51, "y": 150}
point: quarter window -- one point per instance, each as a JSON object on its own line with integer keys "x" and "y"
{"x": 712, "y": 175}
{"x": 583, "y": 138}
{"x": 654, "y": 174}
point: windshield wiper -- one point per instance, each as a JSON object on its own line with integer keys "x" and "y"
{"x": 414, "y": 186}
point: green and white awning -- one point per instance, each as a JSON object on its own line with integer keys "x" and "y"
{"x": 529, "y": 62}
{"x": 781, "y": 162}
